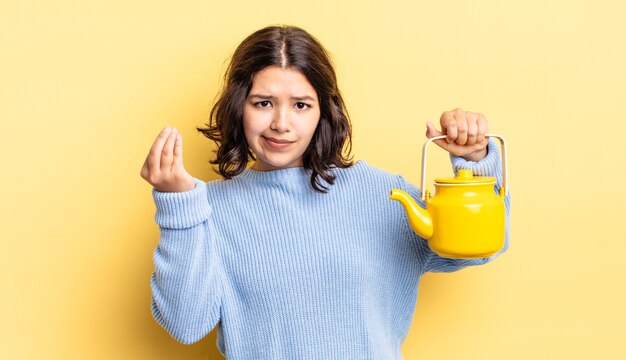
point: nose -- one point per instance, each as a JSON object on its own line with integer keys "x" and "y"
{"x": 280, "y": 121}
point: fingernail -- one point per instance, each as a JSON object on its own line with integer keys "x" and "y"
{"x": 167, "y": 129}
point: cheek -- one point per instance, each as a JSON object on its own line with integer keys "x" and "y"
{"x": 255, "y": 122}
{"x": 248, "y": 131}
{"x": 249, "y": 124}
{"x": 312, "y": 124}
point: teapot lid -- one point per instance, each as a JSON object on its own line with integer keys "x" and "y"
{"x": 466, "y": 177}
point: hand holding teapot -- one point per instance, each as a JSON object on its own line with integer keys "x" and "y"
{"x": 465, "y": 134}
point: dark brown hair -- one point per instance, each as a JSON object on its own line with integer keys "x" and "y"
{"x": 287, "y": 47}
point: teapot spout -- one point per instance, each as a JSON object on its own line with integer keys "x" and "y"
{"x": 420, "y": 220}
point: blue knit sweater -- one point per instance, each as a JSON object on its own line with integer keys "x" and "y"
{"x": 286, "y": 272}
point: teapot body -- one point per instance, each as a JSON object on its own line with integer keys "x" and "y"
{"x": 468, "y": 220}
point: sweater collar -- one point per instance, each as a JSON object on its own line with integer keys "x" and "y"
{"x": 276, "y": 176}
{"x": 294, "y": 174}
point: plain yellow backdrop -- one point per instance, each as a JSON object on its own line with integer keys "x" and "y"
{"x": 85, "y": 86}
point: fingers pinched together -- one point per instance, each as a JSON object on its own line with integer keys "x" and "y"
{"x": 163, "y": 167}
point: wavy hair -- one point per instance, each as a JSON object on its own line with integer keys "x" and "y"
{"x": 287, "y": 47}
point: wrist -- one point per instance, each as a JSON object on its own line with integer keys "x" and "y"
{"x": 188, "y": 185}
{"x": 476, "y": 156}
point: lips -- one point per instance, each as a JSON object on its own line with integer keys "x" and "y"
{"x": 277, "y": 144}
{"x": 278, "y": 141}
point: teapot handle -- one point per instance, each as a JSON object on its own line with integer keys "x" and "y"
{"x": 503, "y": 191}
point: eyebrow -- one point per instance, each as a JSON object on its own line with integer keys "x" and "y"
{"x": 299, "y": 98}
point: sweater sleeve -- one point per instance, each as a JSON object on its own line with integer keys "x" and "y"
{"x": 188, "y": 276}
{"x": 490, "y": 165}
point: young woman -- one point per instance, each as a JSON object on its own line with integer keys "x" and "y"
{"x": 301, "y": 255}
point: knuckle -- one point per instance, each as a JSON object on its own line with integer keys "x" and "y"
{"x": 179, "y": 177}
{"x": 154, "y": 179}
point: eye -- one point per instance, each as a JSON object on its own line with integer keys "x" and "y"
{"x": 263, "y": 104}
{"x": 302, "y": 106}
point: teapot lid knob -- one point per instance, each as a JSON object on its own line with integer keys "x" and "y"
{"x": 465, "y": 174}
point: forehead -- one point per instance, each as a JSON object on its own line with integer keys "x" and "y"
{"x": 275, "y": 80}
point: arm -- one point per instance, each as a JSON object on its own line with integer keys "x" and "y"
{"x": 188, "y": 276}
{"x": 187, "y": 280}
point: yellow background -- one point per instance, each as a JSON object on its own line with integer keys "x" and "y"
{"x": 85, "y": 86}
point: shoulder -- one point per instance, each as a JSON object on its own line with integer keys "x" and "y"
{"x": 221, "y": 189}
{"x": 363, "y": 176}
{"x": 361, "y": 168}
{"x": 364, "y": 173}
{"x": 225, "y": 185}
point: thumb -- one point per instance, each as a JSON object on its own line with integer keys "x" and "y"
{"x": 431, "y": 130}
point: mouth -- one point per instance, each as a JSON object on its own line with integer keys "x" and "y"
{"x": 277, "y": 144}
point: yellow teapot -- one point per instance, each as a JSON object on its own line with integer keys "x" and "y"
{"x": 465, "y": 219}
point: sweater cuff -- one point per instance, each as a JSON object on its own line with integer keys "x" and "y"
{"x": 490, "y": 165}
{"x": 181, "y": 210}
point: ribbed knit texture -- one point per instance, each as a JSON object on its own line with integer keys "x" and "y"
{"x": 290, "y": 273}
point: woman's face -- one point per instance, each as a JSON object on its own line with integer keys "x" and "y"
{"x": 280, "y": 115}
